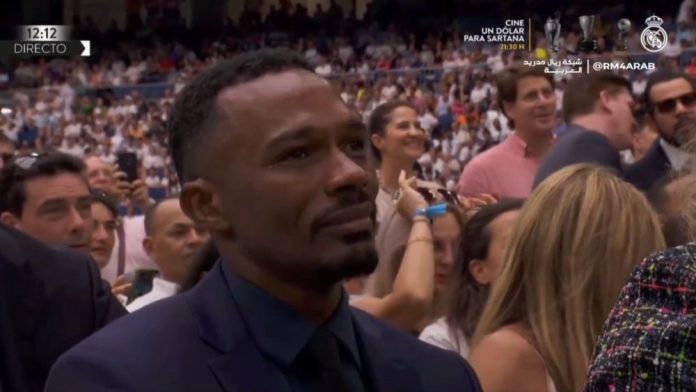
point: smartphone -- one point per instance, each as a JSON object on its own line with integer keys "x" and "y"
{"x": 128, "y": 163}
{"x": 142, "y": 283}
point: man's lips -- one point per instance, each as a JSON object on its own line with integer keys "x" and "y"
{"x": 351, "y": 219}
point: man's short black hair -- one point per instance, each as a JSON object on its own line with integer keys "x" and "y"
{"x": 149, "y": 220}
{"x": 194, "y": 110}
{"x": 14, "y": 175}
{"x": 661, "y": 76}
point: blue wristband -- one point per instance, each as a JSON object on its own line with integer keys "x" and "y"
{"x": 432, "y": 211}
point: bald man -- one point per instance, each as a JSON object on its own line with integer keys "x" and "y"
{"x": 172, "y": 241}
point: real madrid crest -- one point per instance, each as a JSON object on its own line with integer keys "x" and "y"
{"x": 654, "y": 37}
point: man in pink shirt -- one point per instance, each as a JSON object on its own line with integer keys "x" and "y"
{"x": 507, "y": 170}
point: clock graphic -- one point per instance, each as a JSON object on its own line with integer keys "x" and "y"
{"x": 44, "y": 33}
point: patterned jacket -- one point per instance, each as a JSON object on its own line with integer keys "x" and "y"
{"x": 649, "y": 341}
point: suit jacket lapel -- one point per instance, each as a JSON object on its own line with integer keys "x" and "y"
{"x": 384, "y": 369}
{"x": 239, "y": 366}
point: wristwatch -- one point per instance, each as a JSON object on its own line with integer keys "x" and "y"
{"x": 432, "y": 211}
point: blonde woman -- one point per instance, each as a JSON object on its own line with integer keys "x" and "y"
{"x": 577, "y": 240}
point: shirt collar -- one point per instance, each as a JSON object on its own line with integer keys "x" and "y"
{"x": 519, "y": 146}
{"x": 279, "y": 330}
{"x": 677, "y": 157}
{"x": 163, "y": 286}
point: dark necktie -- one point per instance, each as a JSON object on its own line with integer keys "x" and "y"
{"x": 321, "y": 364}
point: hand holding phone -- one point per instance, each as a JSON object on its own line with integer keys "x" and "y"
{"x": 128, "y": 163}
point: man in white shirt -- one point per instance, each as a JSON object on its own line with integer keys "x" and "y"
{"x": 478, "y": 93}
{"x": 71, "y": 147}
{"x": 172, "y": 241}
{"x": 427, "y": 120}
{"x": 389, "y": 90}
{"x": 324, "y": 68}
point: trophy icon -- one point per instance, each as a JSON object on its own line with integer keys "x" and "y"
{"x": 624, "y": 25}
{"x": 552, "y": 29}
{"x": 587, "y": 24}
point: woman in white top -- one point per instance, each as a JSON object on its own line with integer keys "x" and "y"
{"x": 577, "y": 239}
{"x": 480, "y": 258}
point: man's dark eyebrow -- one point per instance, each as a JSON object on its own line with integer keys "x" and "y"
{"x": 181, "y": 226}
{"x": 293, "y": 134}
{"x": 52, "y": 203}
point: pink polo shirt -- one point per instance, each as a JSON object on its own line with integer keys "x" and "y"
{"x": 504, "y": 171}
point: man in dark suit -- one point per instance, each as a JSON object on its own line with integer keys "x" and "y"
{"x": 278, "y": 170}
{"x": 50, "y": 299}
{"x": 599, "y": 110}
{"x": 670, "y": 103}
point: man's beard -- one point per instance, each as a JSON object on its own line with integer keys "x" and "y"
{"x": 360, "y": 262}
{"x": 321, "y": 274}
{"x": 684, "y": 134}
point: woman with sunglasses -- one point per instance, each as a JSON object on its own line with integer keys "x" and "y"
{"x": 397, "y": 141}
{"x": 414, "y": 281}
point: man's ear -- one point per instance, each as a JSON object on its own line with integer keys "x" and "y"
{"x": 9, "y": 219}
{"x": 147, "y": 245}
{"x": 200, "y": 201}
{"x": 604, "y": 101}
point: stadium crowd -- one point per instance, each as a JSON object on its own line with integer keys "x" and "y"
{"x": 76, "y": 106}
{"x": 536, "y": 227}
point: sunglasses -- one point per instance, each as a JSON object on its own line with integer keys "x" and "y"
{"x": 26, "y": 162}
{"x": 431, "y": 195}
{"x": 670, "y": 105}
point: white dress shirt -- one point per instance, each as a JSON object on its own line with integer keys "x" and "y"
{"x": 161, "y": 289}
{"x": 136, "y": 258}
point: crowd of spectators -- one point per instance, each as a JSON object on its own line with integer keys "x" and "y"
{"x": 77, "y": 107}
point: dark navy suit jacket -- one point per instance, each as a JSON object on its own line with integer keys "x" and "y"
{"x": 198, "y": 341}
{"x": 50, "y": 299}
{"x": 646, "y": 172}
{"x": 579, "y": 145}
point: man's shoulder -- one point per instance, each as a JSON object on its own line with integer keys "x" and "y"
{"x": 156, "y": 348}
{"x": 655, "y": 158}
{"x": 569, "y": 142}
{"x": 45, "y": 260}
{"x": 145, "y": 332}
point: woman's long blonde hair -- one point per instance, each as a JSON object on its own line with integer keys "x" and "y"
{"x": 576, "y": 242}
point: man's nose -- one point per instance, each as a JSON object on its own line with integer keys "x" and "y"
{"x": 197, "y": 238}
{"x": 344, "y": 172}
{"x": 78, "y": 221}
{"x": 680, "y": 107}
